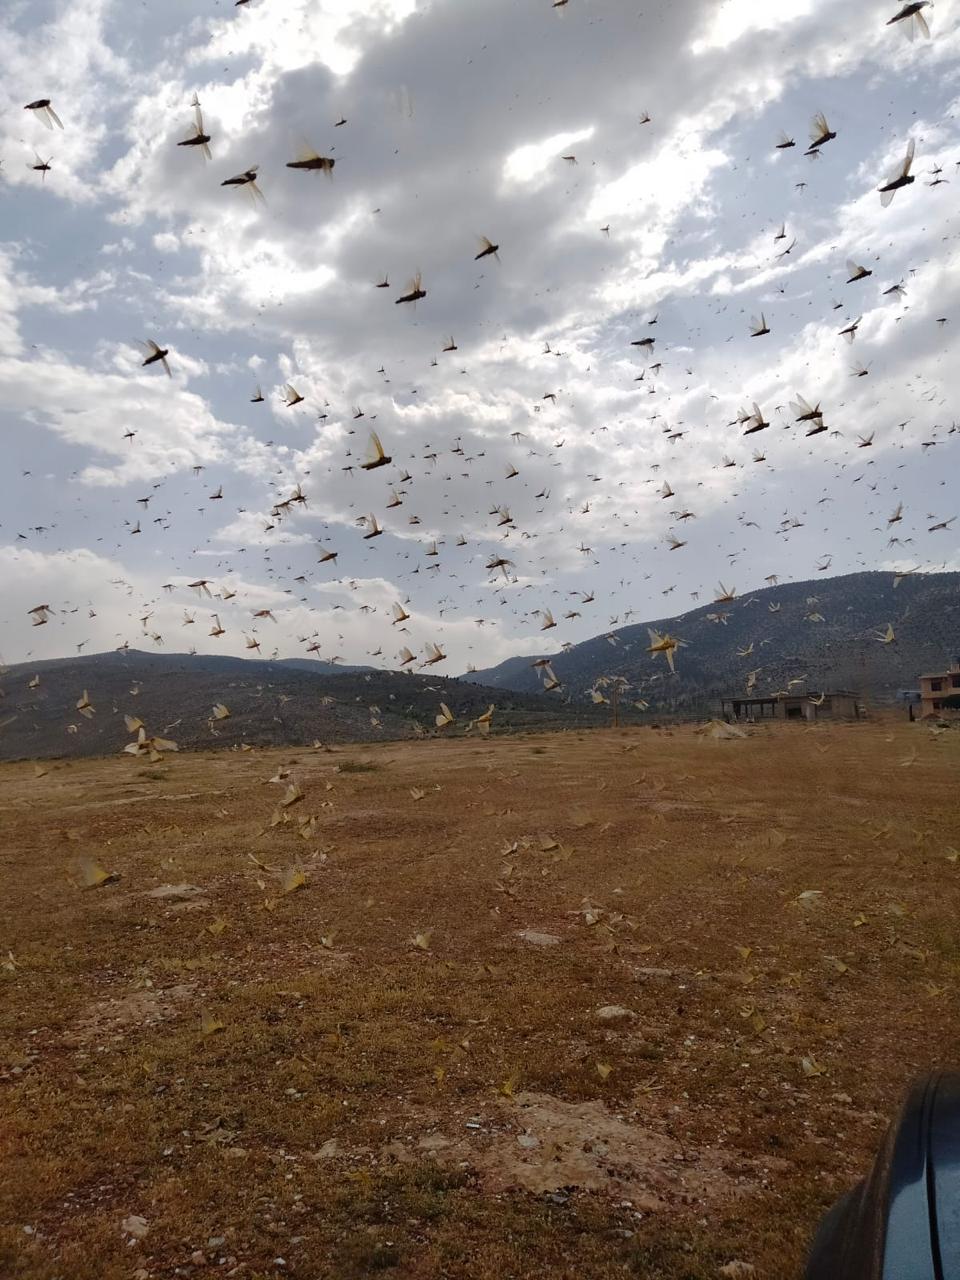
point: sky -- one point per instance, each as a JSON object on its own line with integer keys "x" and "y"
{"x": 623, "y": 157}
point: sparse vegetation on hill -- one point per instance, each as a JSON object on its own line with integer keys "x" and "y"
{"x": 824, "y": 630}
{"x": 270, "y": 703}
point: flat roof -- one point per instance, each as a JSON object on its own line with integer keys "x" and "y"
{"x": 829, "y": 693}
{"x": 782, "y": 697}
{"x": 734, "y": 698}
{"x": 941, "y": 675}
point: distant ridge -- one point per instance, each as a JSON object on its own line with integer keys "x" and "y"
{"x": 319, "y": 667}
{"x": 840, "y": 651}
{"x": 285, "y": 702}
{"x": 298, "y": 700}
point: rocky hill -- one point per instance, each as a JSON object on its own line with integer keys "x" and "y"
{"x": 270, "y": 703}
{"x": 824, "y": 630}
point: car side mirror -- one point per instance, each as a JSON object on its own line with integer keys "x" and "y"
{"x": 903, "y": 1221}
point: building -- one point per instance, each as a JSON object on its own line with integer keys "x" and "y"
{"x": 840, "y": 704}
{"x": 940, "y": 692}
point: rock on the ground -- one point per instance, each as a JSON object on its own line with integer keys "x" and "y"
{"x": 175, "y": 892}
{"x": 433, "y": 1142}
{"x": 613, "y": 1013}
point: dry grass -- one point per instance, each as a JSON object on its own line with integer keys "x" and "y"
{"x": 372, "y": 1107}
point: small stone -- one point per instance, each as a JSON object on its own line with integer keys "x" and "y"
{"x": 737, "y": 1270}
{"x": 216, "y": 1242}
{"x": 198, "y": 1258}
{"x": 397, "y": 1151}
{"x": 613, "y": 1013}
{"x": 528, "y": 1141}
{"x": 135, "y": 1226}
{"x": 433, "y": 1142}
{"x": 181, "y": 892}
{"x": 538, "y": 939}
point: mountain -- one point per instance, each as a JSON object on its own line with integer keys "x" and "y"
{"x": 780, "y": 622}
{"x": 297, "y": 700}
{"x": 270, "y": 703}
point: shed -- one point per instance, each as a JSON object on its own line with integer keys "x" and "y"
{"x": 835, "y": 704}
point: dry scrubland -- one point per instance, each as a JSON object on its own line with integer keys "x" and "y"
{"x": 373, "y": 1107}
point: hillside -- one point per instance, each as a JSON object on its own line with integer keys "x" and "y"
{"x": 296, "y": 701}
{"x": 270, "y": 703}
{"x": 320, "y": 668}
{"x": 841, "y": 651}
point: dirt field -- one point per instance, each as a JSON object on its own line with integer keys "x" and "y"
{"x": 633, "y": 1003}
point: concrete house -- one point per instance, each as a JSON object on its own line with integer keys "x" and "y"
{"x": 940, "y": 692}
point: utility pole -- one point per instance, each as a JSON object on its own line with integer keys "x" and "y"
{"x": 617, "y": 684}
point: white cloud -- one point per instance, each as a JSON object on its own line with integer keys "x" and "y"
{"x": 457, "y": 117}
{"x": 300, "y": 34}
{"x": 733, "y": 19}
{"x": 173, "y": 429}
{"x": 100, "y": 605}
{"x": 86, "y": 74}
{"x": 529, "y": 162}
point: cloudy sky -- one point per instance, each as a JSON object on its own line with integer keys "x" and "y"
{"x": 525, "y": 123}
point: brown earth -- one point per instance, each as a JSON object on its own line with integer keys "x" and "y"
{"x": 596, "y": 1005}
